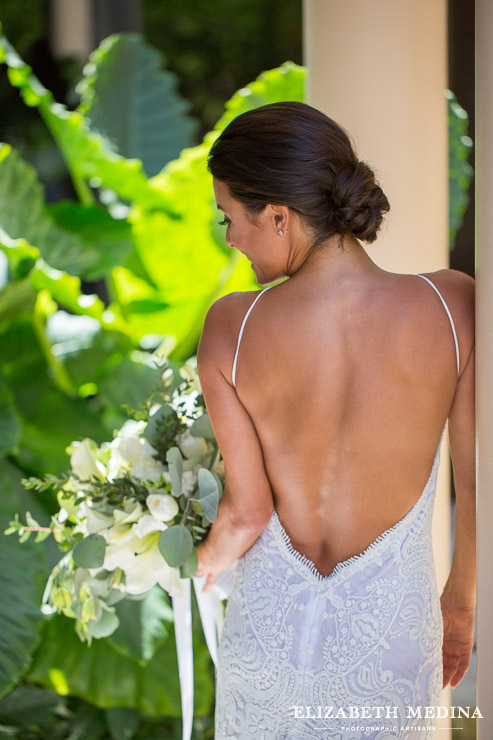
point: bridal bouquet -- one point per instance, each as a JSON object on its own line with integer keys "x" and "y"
{"x": 133, "y": 510}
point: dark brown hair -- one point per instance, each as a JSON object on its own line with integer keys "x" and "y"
{"x": 294, "y": 155}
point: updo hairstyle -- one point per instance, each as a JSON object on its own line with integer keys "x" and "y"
{"x": 294, "y": 155}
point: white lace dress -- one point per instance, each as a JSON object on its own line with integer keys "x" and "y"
{"x": 302, "y": 655}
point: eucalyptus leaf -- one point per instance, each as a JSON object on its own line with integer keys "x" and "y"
{"x": 219, "y": 484}
{"x": 89, "y": 552}
{"x": 208, "y": 493}
{"x": 202, "y": 427}
{"x": 189, "y": 567}
{"x": 176, "y": 545}
{"x": 175, "y": 468}
{"x": 190, "y": 462}
{"x": 163, "y": 416}
{"x": 107, "y": 623}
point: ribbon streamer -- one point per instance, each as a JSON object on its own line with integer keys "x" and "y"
{"x": 211, "y": 616}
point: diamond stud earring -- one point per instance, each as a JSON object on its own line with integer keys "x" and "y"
{"x": 280, "y": 232}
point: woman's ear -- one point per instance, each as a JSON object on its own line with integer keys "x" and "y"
{"x": 280, "y": 217}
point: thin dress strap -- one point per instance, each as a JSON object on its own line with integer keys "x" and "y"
{"x": 241, "y": 331}
{"x": 449, "y": 315}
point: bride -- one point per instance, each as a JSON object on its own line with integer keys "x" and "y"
{"x": 329, "y": 394}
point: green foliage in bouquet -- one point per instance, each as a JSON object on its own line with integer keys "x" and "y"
{"x": 132, "y": 510}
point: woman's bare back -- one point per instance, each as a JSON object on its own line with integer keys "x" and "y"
{"x": 349, "y": 386}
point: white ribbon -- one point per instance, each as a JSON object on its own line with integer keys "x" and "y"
{"x": 182, "y": 610}
{"x": 211, "y": 616}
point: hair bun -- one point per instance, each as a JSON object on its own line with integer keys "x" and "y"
{"x": 359, "y": 202}
{"x": 291, "y": 154}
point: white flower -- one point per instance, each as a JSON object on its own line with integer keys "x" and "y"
{"x": 132, "y": 428}
{"x": 83, "y": 462}
{"x": 189, "y": 481}
{"x": 190, "y": 445}
{"x": 148, "y": 524}
{"x": 121, "y": 555}
{"x": 148, "y": 468}
{"x": 94, "y": 520}
{"x": 162, "y": 506}
{"x": 132, "y": 511}
{"x": 150, "y": 568}
{"x": 126, "y": 450}
{"x": 218, "y": 468}
{"x": 119, "y": 533}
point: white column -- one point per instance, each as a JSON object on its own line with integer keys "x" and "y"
{"x": 379, "y": 68}
{"x": 484, "y": 361}
{"x": 71, "y": 28}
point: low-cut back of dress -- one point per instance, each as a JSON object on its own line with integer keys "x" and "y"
{"x": 355, "y": 654}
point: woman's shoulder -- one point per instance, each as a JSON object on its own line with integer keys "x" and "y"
{"x": 457, "y": 289}
{"x": 230, "y": 308}
{"x": 222, "y": 323}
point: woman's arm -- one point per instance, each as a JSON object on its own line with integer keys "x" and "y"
{"x": 458, "y": 599}
{"x": 246, "y": 504}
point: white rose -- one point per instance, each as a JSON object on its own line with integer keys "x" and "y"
{"x": 84, "y": 464}
{"x": 127, "y": 450}
{"x": 148, "y": 468}
{"x": 191, "y": 446}
{"x": 162, "y": 506}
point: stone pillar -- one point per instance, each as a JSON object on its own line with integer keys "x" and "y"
{"x": 484, "y": 361}
{"x": 71, "y": 32}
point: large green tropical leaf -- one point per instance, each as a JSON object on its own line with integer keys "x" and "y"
{"x": 79, "y": 240}
{"x": 28, "y": 706}
{"x": 186, "y": 256}
{"x": 286, "y": 82}
{"x": 144, "y": 625}
{"x": 50, "y": 418}
{"x": 133, "y": 103}
{"x": 107, "y": 240}
{"x": 21, "y": 575}
{"x": 107, "y": 677}
{"x": 86, "y": 153}
{"x": 10, "y": 423}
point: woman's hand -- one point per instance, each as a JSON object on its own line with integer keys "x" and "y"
{"x": 209, "y": 565}
{"x": 458, "y": 640}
